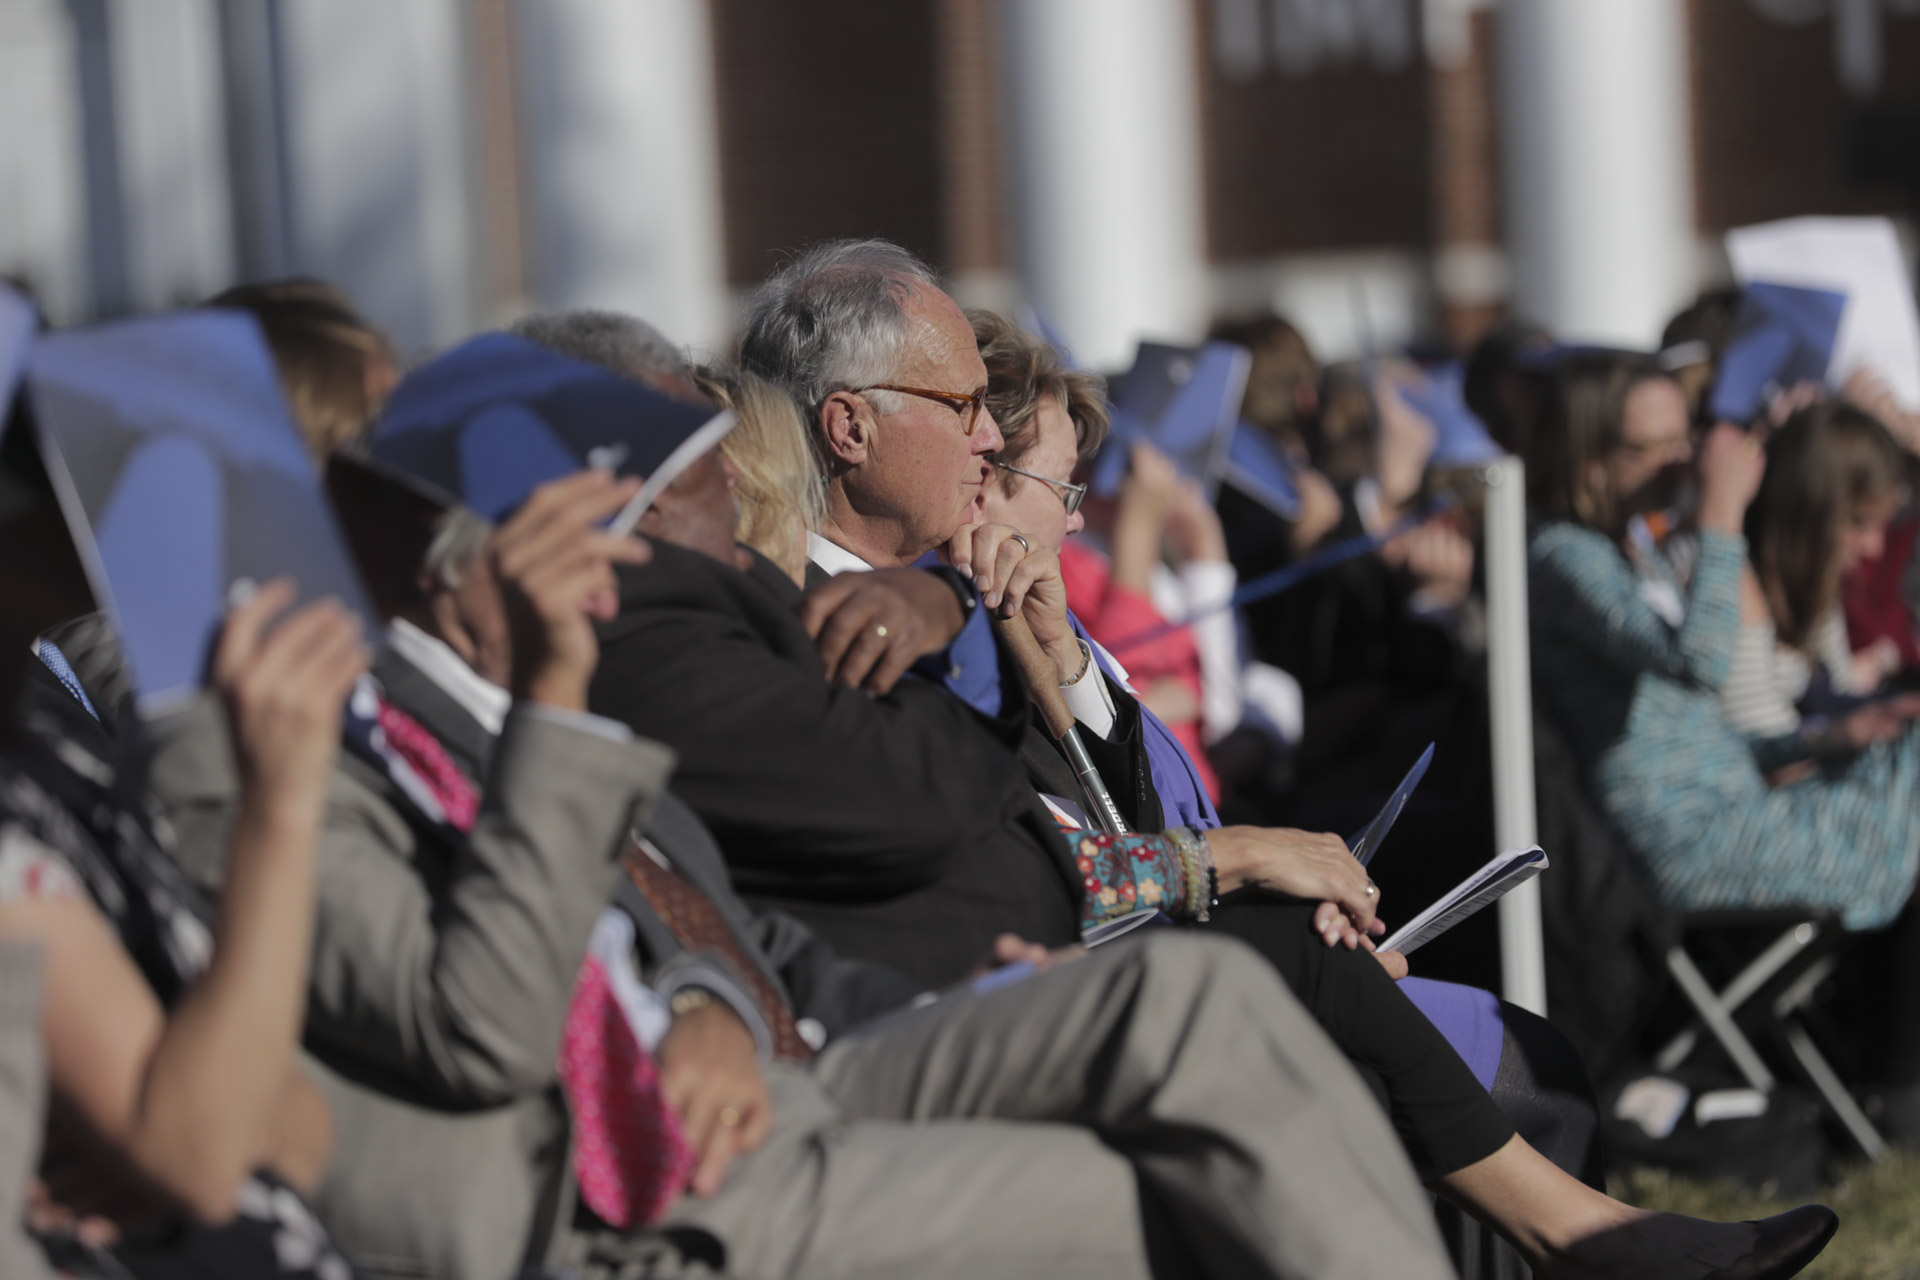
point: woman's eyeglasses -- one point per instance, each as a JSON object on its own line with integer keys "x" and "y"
{"x": 1071, "y": 494}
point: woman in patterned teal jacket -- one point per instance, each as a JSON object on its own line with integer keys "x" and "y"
{"x": 1631, "y": 670}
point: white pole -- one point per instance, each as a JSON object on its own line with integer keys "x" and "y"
{"x": 623, "y": 158}
{"x": 173, "y": 163}
{"x": 1523, "y": 975}
{"x": 1598, "y": 173}
{"x": 377, "y": 137}
{"x": 1106, "y": 175}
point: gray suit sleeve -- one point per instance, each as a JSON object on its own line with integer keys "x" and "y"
{"x": 444, "y": 973}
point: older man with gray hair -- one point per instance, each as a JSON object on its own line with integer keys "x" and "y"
{"x": 885, "y": 369}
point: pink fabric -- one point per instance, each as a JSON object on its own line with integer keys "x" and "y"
{"x": 630, "y": 1154}
{"x": 1111, "y": 613}
{"x": 422, "y": 752}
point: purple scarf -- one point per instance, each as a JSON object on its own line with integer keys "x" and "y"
{"x": 1183, "y": 799}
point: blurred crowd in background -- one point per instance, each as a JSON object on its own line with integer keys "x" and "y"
{"x": 1219, "y": 317}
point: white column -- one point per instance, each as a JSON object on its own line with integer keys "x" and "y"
{"x": 375, "y": 97}
{"x": 42, "y": 190}
{"x": 173, "y": 166}
{"x": 1104, "y": 132}
{"x": 1600, "y": 204}
{"x": 621, "y": 154}
{"x": 1523, "y": 967}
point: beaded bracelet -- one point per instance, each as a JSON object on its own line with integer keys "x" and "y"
{"x": 1196, "y": 860}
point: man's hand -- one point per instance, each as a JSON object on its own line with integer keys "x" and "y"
{"x": 710, "y": 1075}
{"x": 1013, "y": 577}
{"x": 872, "y": 626}
{"x": 1311, "y": 865}
{"x": 554, "y": 566}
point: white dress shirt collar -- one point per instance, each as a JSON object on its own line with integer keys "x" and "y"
{"x": 832, "y": 557}
{"x": 480, "y": 697}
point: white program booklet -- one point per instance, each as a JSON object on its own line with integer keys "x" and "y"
{"x": 1861, "y": 258}
{"x": 1515, "y": 866}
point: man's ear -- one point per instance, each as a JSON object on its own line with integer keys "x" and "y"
{"x": 846, "y": 423}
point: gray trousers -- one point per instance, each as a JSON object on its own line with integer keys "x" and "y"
{"x": 1018, "y": 1132}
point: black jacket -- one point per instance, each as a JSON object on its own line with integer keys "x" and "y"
{"x": 901, "y": 829}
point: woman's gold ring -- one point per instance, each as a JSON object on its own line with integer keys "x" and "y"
{"x": 881, "y": 631}
{"x": 730, "y": 1117}
{"x": 1372, "y": 888}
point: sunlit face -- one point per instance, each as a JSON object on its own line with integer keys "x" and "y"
{"x": 1034, "y": 507}
{"x": 922, "y": 469}
{"x": 1646, "y": 471}
{"x": 1863, "y": 535}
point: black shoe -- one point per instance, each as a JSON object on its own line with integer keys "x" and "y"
{"x": 1788, "y": 1242}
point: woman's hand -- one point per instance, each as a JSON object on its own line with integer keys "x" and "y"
{"x": 284, "y": 691}
{"x": 1876, "y": 722}
{"x": 1336, "y": 930}
{"x": 1439, "y": 557}
{"x": 1015, "y": 577}
{"x": 1193, "y": 527}
{"x": 1407, "y": 440}
{"x": 1732, "y": 462}
{"x": 1866, "y": 390}
{"x": 1320, "y": 509}
{"x": 1312, "y": 865}
{"x": 1874, "y": 663}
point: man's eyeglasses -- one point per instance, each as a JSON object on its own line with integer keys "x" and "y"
{"x": 966, "y": 405}
{"x": 1071, "y": 494}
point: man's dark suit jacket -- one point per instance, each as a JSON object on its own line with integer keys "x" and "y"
{"x": 1120, "y": 758}
{"x": 901, "y": 829}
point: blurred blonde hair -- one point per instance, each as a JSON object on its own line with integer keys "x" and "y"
{"x": 323, "y": 350}
{"x": 781, "y": 494}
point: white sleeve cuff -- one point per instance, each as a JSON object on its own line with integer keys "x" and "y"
{"x": 1088, "y": 698}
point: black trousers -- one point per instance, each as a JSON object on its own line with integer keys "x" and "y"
{"x": 1443, "y": 1116}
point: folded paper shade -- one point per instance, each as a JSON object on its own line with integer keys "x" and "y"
{"x": 1184, "y": 401}
{"x": 1782, "y": 335}
{"x": 1439, "y": 395}
{"x": 1259, "y": 467}
{"x": 1860, "y": 257}
{"x": 498, "y": 416}
{"x": 182, "y": 477}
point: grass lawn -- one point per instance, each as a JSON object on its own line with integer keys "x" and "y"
{"x": 1878, "y": 1204}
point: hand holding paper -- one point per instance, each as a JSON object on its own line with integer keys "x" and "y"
{"x": 1510, "y": 869}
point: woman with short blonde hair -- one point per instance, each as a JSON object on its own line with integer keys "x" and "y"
{"x": 781, "y": 495}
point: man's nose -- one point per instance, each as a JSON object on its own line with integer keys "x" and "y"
{"x": 986, "y": 433}
{"x": 1076, "y": 522}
